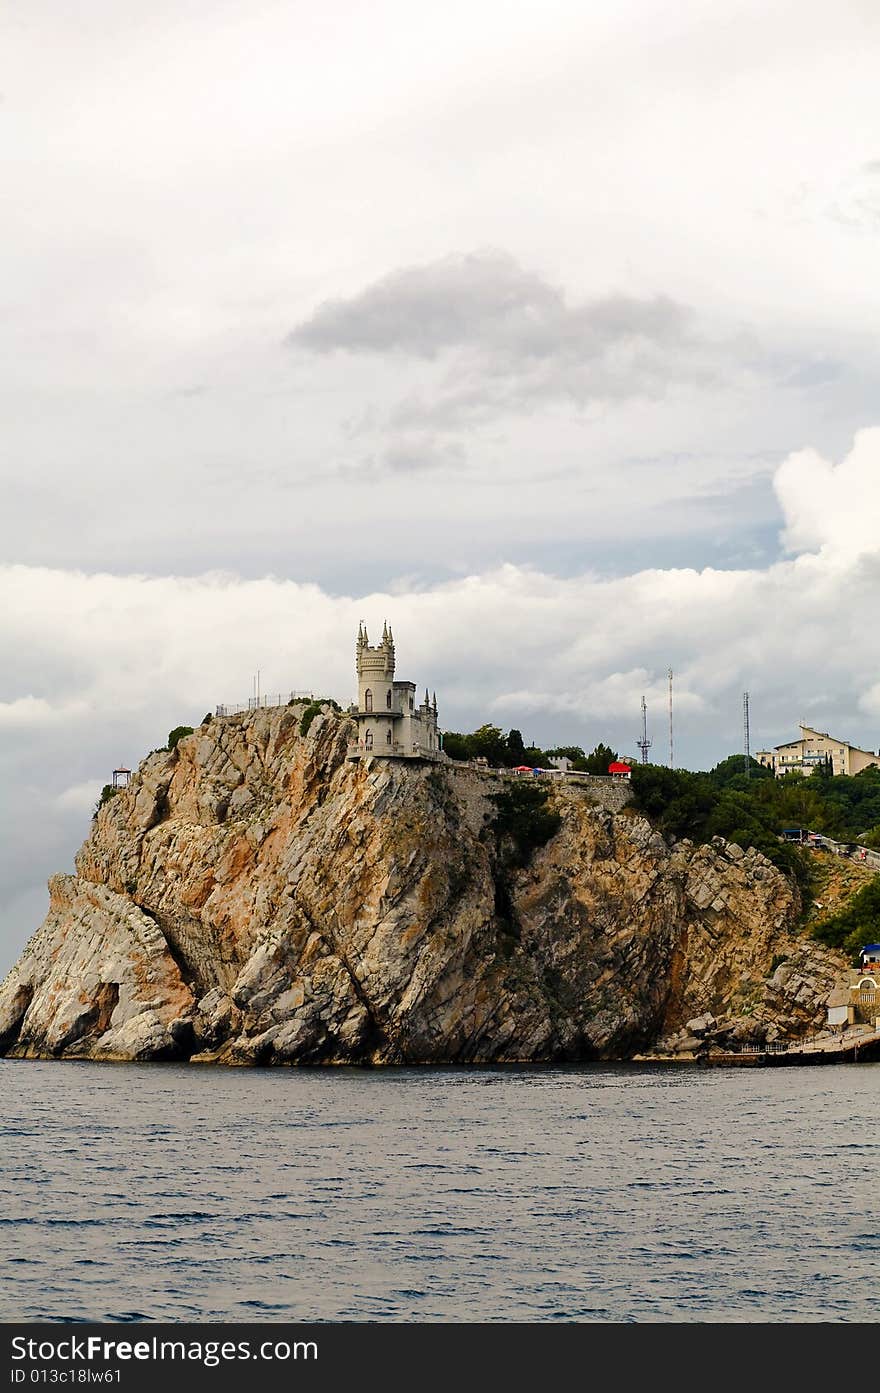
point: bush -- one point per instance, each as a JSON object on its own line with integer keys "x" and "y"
{"x": 855, "y": 925}
{"x": 176, "y": 735}
{"x": 490, "y": 743}
{"x": 522, "y": 821}
{"x": 683, "y": 804}
{"x": 312, "y": 710}
{"x": 107, "y": 792}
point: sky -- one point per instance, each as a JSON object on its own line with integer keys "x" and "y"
{"x": 544, "y": 330}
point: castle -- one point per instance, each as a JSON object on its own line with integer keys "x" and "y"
{"x": 388, "y": 720}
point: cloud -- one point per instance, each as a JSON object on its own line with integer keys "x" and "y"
{"x": 486, "y": 299}
{"x": 98, "y": 668}
{"x": 79, "y": 798}
{"x": 30, "y": 711}
{"x": 832, "y": 508}
{"x": 869, "y": 701}
{"x": 504, "y": 338}
{"x": 417, "y": 452}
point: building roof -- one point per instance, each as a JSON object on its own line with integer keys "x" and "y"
{"x": 870, "y": 948}
{"x": 619, "y": 768}
{"x": 806, "y": 731}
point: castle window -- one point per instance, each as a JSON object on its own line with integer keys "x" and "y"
{"x": 388, "y": 703}
{"x": 368, "y": 700}
{"x": 410, "y": 703}
{"x": 388, "y": 737}
{"x": 368, "y": 740}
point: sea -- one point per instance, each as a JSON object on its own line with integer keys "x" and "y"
{"x": 594, "y": 1193}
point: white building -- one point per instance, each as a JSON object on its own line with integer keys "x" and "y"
{"x": 816, "y": 747}
{"x": 389, "y": 722}
{"x": 857, "y": 999}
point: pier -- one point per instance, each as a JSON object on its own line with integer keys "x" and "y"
{"x": 853, "y": 1047}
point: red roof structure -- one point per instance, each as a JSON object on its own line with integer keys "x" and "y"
{"x": 618, "y": 768}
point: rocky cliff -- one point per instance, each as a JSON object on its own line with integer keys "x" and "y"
{"x": 254, "y": 897}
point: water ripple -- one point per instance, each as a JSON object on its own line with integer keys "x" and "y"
{"x": 587, "y": 1194}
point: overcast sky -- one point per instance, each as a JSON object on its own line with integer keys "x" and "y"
{"x": 546, "y": 330}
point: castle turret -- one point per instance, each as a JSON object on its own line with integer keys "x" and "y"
{"x": 375, "y": 668}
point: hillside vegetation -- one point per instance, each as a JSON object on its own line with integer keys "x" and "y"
{"x": 750, "y": 810}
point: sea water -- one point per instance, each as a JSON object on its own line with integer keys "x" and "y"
{"x": 168, "y": 1192}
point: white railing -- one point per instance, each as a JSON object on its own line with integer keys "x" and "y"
{"x": 261, "y": 703}
{"x": 360, "y": 747}
{"x": 865, "y": 855}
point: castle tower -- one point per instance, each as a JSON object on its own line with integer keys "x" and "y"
{"x": 388, "y": 720}
{"x": 375, "y": 670}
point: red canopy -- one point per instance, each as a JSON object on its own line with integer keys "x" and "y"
{"x": 617, "y": 768}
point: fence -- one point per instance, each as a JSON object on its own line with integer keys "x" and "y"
{"x": 567, "y": 776}
{"x": 866, "y": 855}
{"x": 262, "y": 703}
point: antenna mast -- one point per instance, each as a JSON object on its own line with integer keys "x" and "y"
{"x": 644, "y": 744}
{"x": 671, "y": 746}
{"x": 747, "y": 757}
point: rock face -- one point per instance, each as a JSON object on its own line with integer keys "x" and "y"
{"x": 253, "y": 897}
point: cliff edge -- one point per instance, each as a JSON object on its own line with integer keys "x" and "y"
{"x": 255, "y": 897}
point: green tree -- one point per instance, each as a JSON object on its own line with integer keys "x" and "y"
{"x": 598, "y": 761}
{"x": 522, "y": 820}
{"x": 516, "y": 750}
{"x": 855, "y": 925}
{"x": 455, "y": 744}
{"x": 534, "y": 757}
{"x": 487, "y": 742}
{"x": 732, "y": 769}
{"x": 177, "y": 734}
{"x": 692, "y": 805}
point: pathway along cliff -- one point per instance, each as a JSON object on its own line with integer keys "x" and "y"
{"x": 254, "y": 897}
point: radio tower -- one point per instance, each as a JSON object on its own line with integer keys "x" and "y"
{"x": 747, "y": 758}
{"x": 644, "y": 744}
{"x": 671, "y": 746}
